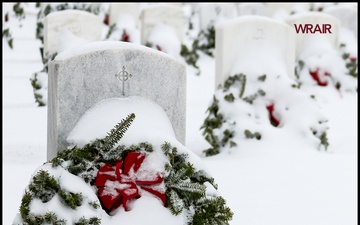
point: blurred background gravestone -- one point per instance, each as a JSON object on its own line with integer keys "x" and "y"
{"x": 347, "y": 15}
{"x": 304, "y": 39}
{"x": 124, "y": 22}
{"x": 163, "y": 28}
{"x": 211, "y": 14}
{"x": 251, "y": 38}
{"x": 61, "y": 26}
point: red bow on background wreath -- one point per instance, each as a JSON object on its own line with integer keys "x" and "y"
{"x": 318, "y": 77}
{"x": 273, "y": 120}
{"x": 120, "y": 183}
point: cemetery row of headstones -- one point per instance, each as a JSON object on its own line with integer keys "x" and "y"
{"x": 76, "y": 83}
{"x": 75, "y": 26}
{"x": 124, "y": 15}
{"x": 148, "y": 18}
{"x": 264, "y": 62}
{"x": 235, "y": 39}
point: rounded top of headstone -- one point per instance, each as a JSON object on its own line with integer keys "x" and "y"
{"x": 250, "y": 18}
{"x": 99, "y": 46}
{"x": 71, "y": 12}
{"x": 340, "y": 8}
{"x": 310, "y": 16}
{"x": 162, "y": 6}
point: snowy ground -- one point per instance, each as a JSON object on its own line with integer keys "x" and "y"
{"x": 274, "y": 182}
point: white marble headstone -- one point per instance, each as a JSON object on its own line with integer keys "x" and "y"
{"x": 163, "y": 14}
{"x": 82, "y": 77}
{"x": 245, "y": 9}
{"x": 212, "y": 13}
{"x": 177, "y": 4}
{"x": 254, "y": 40}
{"x": 282, "y": 10}
{"x": 118, "y": 9}
{"x": 347, "y": 15}
{"x": 66, "y": 23}
{"x": 305, "y": 39}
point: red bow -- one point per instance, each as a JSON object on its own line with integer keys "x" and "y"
{"x": 273, "y": 120}
{"x": 120, "y": 183}
{"x": 316, "y": 77}
{"x": 125, "y": 36}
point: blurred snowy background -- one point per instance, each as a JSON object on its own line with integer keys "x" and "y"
{"x": 276, "y": 180}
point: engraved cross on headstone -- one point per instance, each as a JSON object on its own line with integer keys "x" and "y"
{"x": 123, "y": 76}
{"x": 259, "y": 34}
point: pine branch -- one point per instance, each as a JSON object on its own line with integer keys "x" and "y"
{"x": 25, "y": 204}
{"x": 202, "y": 177}
{"x": 72, "y": 200}
{"x": 117, "y": 132}
{"x": 44, "y": 186}
{"x": 174, "y": 202}
{"x": 212, "y": 211}
{"x": 91, "y": 221}
{"x": 193, "y": 189}
{"x": 242, "y": 79}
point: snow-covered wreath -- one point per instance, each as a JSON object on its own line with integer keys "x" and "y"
{"x": 321, "y": 65}
{"x": 106, "y": 182}
{"x": 254, "y": 106}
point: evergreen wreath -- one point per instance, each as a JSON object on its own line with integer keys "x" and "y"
{"x": 322, "y": 78}
{"x": 220, "y": 129}
{"x": 351, "y": 61}
{"x": 205, "y": 42}
{"x": 104, "y": 161}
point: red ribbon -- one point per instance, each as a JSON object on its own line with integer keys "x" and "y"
{"x": 158, "y": 48}
{"x": 353, "y": 58}
{"x": 316, "y": 77}
{"x": 273, "y": 120}
{"x": 106, "y": 20}
{"x": 125, "y": 36}
{"x": 118, "y": 184}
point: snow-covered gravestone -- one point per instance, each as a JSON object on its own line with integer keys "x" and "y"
{"x": 346, "y": 14}
{"x": 162, "y": 27}
{"x": 67, "y": 28}
{"x": 254, "y": 38}
{"x": 79, "y": 78}
{"x": 245, "y": 9}
{"x": 282, "y": 10}
{"x": 124, "y": 21}
{"x": 128, "y": 171}
{"x": 117, "y": 10}
{"x": 314, "y": 27}
{"x": 319, "y": 57}
{"x": 212, "y": 13}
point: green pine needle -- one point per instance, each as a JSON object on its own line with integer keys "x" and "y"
{"x": 118, "y": 132}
